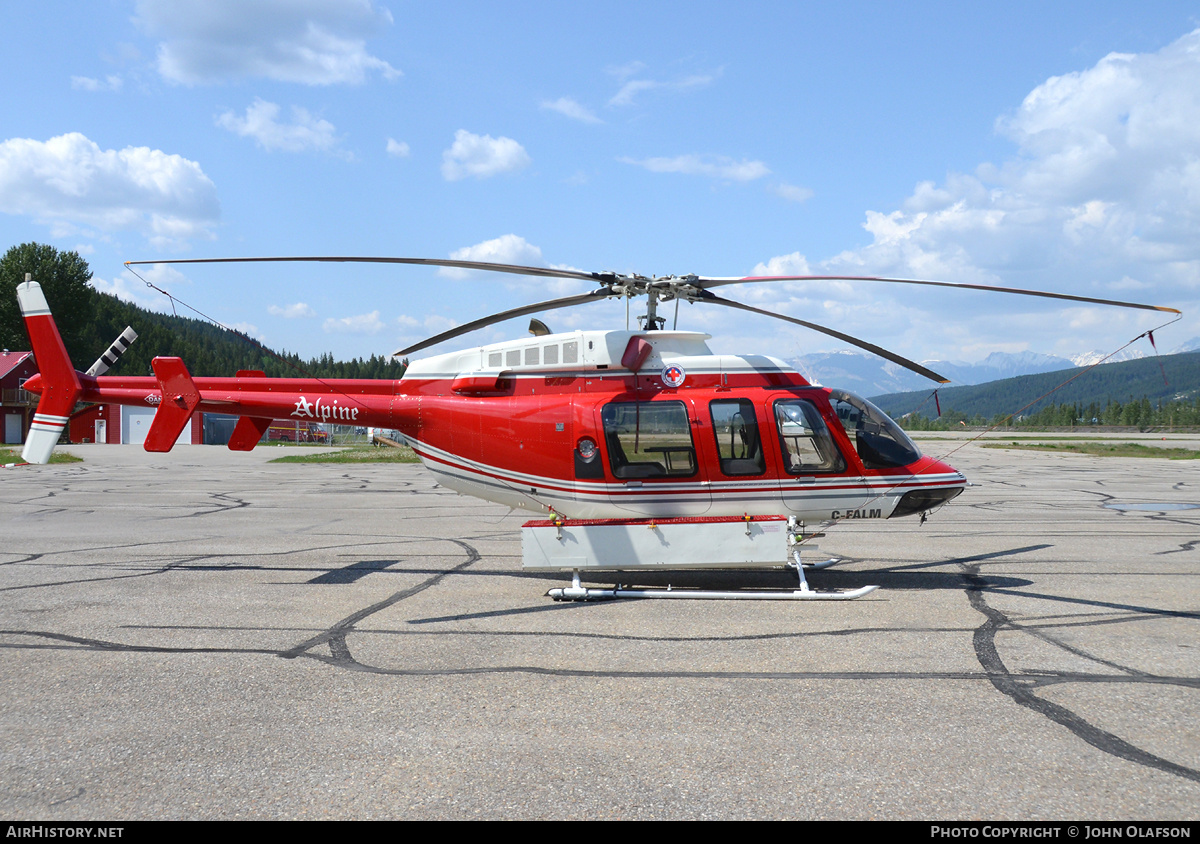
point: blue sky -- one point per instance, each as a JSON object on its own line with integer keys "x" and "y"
{"x": 1052, "y": 146}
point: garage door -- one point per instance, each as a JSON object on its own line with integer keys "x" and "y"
{"x": 135, "y": 424}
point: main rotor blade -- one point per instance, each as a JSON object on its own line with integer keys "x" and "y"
{"x": 483, "y": 322}
{"x": 846, "y": 338}
{"x": 705, "y": 283}
{"x": 514, "y": 269}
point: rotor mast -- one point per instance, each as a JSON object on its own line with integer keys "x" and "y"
{"x": 656, "y": 290}
{"x": 651, "y": 321}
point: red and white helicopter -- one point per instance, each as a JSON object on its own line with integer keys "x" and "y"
{"x": 640, "y": 449}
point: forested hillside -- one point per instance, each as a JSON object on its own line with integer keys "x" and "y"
{"x": 90, "y": 320}
{"x": 1091, "y": 394}
{"x": 207, "y": 349}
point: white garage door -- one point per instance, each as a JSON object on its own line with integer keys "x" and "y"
{"x": 12, "y": 428}
{"x": 135, "y": 424}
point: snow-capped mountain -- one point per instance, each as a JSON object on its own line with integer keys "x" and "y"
{"x": 869, "y": 375}
{"x": 1088, "y": 358}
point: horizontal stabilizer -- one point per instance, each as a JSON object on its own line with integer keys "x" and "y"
{"x": 248, "y": 432}
{"x": 179, "y": 398}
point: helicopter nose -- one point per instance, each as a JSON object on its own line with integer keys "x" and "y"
{"x": 938, "y": 483}
{"x": 937, "y": 467}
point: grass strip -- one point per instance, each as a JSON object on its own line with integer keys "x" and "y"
{"x": 354, "y": 454}
{"x": 1103, "y": 449}
{"x": 8, "y": 455}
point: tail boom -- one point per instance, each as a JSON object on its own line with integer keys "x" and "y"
{"x": 257, "y": 400}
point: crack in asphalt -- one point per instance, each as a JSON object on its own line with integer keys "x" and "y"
{"x": 1020, "y": 689}
{"x": 335, "y": 636}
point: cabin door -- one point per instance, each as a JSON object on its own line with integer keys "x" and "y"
{"x": 816, "y": 482}
{"x": 651, "y": 452}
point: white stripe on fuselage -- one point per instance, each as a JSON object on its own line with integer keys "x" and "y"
{"x": 615, "y": 500}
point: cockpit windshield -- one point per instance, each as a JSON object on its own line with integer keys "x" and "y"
{"x": 881, "y": 443}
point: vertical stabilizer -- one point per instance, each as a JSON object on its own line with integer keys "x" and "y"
{"x": 60, "y": 381}
{"x": 179, "y": 398}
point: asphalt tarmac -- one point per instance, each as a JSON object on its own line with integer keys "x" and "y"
{"x": 203, "y": 634}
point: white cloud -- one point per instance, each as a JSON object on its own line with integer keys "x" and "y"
{"x": 569, "y": 108}
{"x": 1108, "y": 171}
{"x": 249, "y": 329}
{"x": 507, "y": 249}
{"x": 129, "y": 289}
{"x": 633, "y": 87}
{"x": 261, "y": 122}
{"x": 792, "y": 193}
{"x": 313, "y": 42}
{"x": 624, "y": 71}
{"x": 133, "y": 288}
{"x": 86, "y": 83}
{"x": 481, "y": 156}
{"x": 794, "y": 264}
{"x": 360, "y": 324}
{"x": 714, "y": 166}
{"x": 69, "y": 180}
{"x": 436, "y": 324}
{"x": 397, "y": 149}
{"x": 296, "y": 311}
{"x": 429, "y": 326}
{"x": 1102, "y": 195}
{"x": 432, "y": 324}
{"x": 513, "y": 249}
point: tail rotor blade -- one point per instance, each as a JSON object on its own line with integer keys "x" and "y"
{"x": 113, "y": 353}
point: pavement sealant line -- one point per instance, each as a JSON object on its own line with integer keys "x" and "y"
{"x": 176, "y": 566}
{"x": 1020, "y": 690}
{"x": 339, "y": 630}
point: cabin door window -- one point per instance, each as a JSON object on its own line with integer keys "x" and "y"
{"x": 649, "y": 439}
{"x": 881, "y": 443}
{"x": 804, "y": 440}
{"x": 739, "y": 444}
{"x": 652, "y": 455}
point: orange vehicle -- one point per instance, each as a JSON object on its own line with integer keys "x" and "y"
{"x": 297, "y": 432}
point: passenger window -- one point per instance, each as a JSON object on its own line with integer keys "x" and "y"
{"x": 739, "y": 445}
{"x": 649, "y": 439}
{"x": 806, "y": 443}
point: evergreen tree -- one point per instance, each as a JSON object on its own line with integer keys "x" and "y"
{"x": 89, "y": 321}
{"x": 64, "y": 278}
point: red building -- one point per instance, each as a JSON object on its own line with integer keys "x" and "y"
{"x": 16, "y": 405}
{"x": 100, "y": 423}
{"x": 112, "y": 423}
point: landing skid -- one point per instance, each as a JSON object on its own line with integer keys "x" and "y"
{"x": 578, "y": 592}
{"x": 583, "y": 594}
